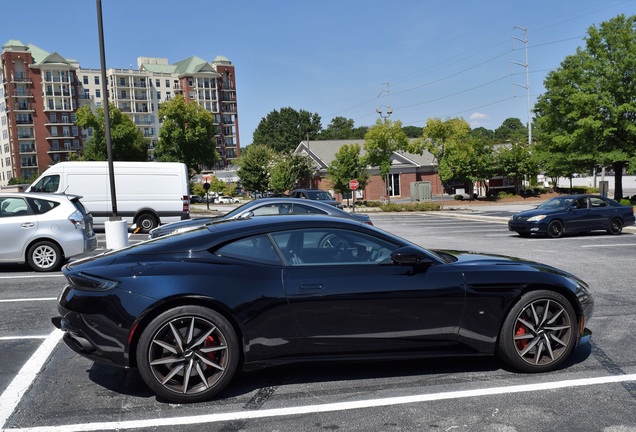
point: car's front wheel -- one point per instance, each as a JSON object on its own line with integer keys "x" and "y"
{"x": 188, "y": 354}
{"x": 146, "y": 222}
{"x": 555, "y": 229}
{"x": 45, "y": 256}
{"x": 539, "y": 333}
{"x": 615, "y": 226}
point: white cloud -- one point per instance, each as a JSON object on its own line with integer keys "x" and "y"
{"x": 478, "y": 119}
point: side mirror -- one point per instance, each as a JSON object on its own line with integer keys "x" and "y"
{"x": 408, "y": 255}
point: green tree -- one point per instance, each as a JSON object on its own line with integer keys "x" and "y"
{"x": 413, "y": 131}
{"x": 340, "y": 128}
{"x": 283, "y": 130}
{"x": 483, "y": 134}
{"x": 348, "y": 165}
{"x": 516, "y": 161}
{"x": 382, "y": 140}
{"x": 187, "y": 134}
{"x": 589, "y": 106}
{"x": 128, "y": 143}
{"x": 288, "y": 171}
{"x": 254, "y": 167}
{"x": 511, "y": 130}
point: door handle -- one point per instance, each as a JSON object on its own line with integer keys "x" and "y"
{"x": 27, "y": 225}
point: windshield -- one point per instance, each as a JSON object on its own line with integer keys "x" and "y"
{"x": 557, "y": 203}
{"x": 47, "y": 184}
{"x": 319, "y": 195}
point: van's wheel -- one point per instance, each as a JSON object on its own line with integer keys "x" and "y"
{"x": 45, "y": 256}
{"x": 188, "y": 354}
{"x": 146, "y": 222}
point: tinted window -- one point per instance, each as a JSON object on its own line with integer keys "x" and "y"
{"x": 41, "y": 206}
{"x": 597, "y": 202}
{"x": 257, "y": 249}
{"x": 322, "y": 246}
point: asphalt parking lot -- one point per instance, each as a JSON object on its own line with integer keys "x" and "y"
{"x": 46, "y": 387}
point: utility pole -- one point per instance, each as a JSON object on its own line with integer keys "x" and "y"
{"x": 527, "y": 85}
{"x": 385, "y": 115}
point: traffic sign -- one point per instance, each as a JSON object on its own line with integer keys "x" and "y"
{"x": 353, "y": 184}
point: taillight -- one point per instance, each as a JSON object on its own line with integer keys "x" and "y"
{"x": 77, "y": 219}
{"x": 186, "y": 204}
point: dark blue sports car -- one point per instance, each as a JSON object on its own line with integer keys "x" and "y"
{"x": 570, "y": 214}
{"x": 189, "y": 309}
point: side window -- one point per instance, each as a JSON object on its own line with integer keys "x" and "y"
{"x": 256, "y": 249}
{"x": 329, "y": 246}
{"x": 268, "y": 210}
{"x": 303, "y": 209}
{"x": 40, "y": 206}
{"x": 581, "y": 203}
{"x": 10, "y": 207}
{"x": 597, "y": 202}
{"x": 48, "y": 184}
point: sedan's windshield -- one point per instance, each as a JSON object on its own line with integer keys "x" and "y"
{"x": 556, "y": 203}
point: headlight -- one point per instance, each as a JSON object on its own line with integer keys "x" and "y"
{"x": 536, "y": 218}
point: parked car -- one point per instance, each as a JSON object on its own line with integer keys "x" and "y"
{"x": 196, "y": 199}
{"x": 315, "y": 194}
{"x": 189, "y": 310}
{"x": 44, "y": 230}
{"x": 571, "y": 214}
{"x": 227, "y": 200}
{"x": 262, "y": 207}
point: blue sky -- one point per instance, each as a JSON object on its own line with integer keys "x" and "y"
{"x": 422, "y": 58}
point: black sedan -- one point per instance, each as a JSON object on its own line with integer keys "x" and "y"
{"x": 262, "y": 207}
{"x": 190, "y": 309}
{"x": 569, "y": 214}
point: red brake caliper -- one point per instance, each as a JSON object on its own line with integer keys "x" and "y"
{"x": 521, "y": 343}
{"x": 210, "y": 342}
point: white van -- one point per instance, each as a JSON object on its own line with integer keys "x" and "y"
{"x": 147, "y": 193}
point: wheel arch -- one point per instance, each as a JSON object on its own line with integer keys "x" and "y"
{"x": 568, "y": 294}
{"x": 142, "y": 324}
{"x": 146, "y": 211}
{"x": 41, "y": 239}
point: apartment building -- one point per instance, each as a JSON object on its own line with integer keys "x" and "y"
{"x": 41, "y": 92}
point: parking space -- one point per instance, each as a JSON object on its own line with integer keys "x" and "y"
{"x": 46, "y": 387}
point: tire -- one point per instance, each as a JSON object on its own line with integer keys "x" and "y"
{"x": 45, "y": 256}
{"x": 146, "y": 222}
{"x": 615, "y": 226}
{"x": 555, "y": 229}
{"x": 539, "y": 333}
{"x": 188, "y": 338}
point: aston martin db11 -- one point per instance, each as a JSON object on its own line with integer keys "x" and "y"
{"x": 189, "y": 309}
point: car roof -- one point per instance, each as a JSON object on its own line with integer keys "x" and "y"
{"x": 41, "y": 195}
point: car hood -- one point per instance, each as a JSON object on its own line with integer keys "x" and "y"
{"x": 536, "y": 212}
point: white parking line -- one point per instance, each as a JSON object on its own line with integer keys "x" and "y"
{"x": 10, "y": 398}
{"x": 27, "y": 299}
{"x": 11, "y": 338}
{"x": 32, "y": 276}
{"x": 609, "y": 245}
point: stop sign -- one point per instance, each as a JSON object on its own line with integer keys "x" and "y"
{"x": 353, "y": 184}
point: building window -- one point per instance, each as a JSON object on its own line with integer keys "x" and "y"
{"x": 98, "y": 93}
{"x": 85, "y": 79}
{"x": 168, "y": 83}
{"x": 394, "y": 185}
{"x": 96, "y": 80}
{"x": 157, "y": 83}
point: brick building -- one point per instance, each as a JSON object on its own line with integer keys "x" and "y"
{"x": 41, "y": 92}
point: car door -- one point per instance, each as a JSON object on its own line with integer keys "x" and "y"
{"x": 346, "y": 293}
{"x": 17, "y": 226}
{"x": 578, "y": 217}
{"x": 600, "y": 213}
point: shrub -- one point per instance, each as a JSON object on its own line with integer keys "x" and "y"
{"x": 409, "y": 207}
{"x": 459, "y": 197}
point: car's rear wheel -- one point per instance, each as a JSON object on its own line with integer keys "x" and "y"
{"x": 146, "y": 222}
{"x": 188, "y": 354}
{"x": 539, "y": 333}
{"x": 44, "y": 256}
{"x": 555, "y": 229}
{"x": 615, "y": 226}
